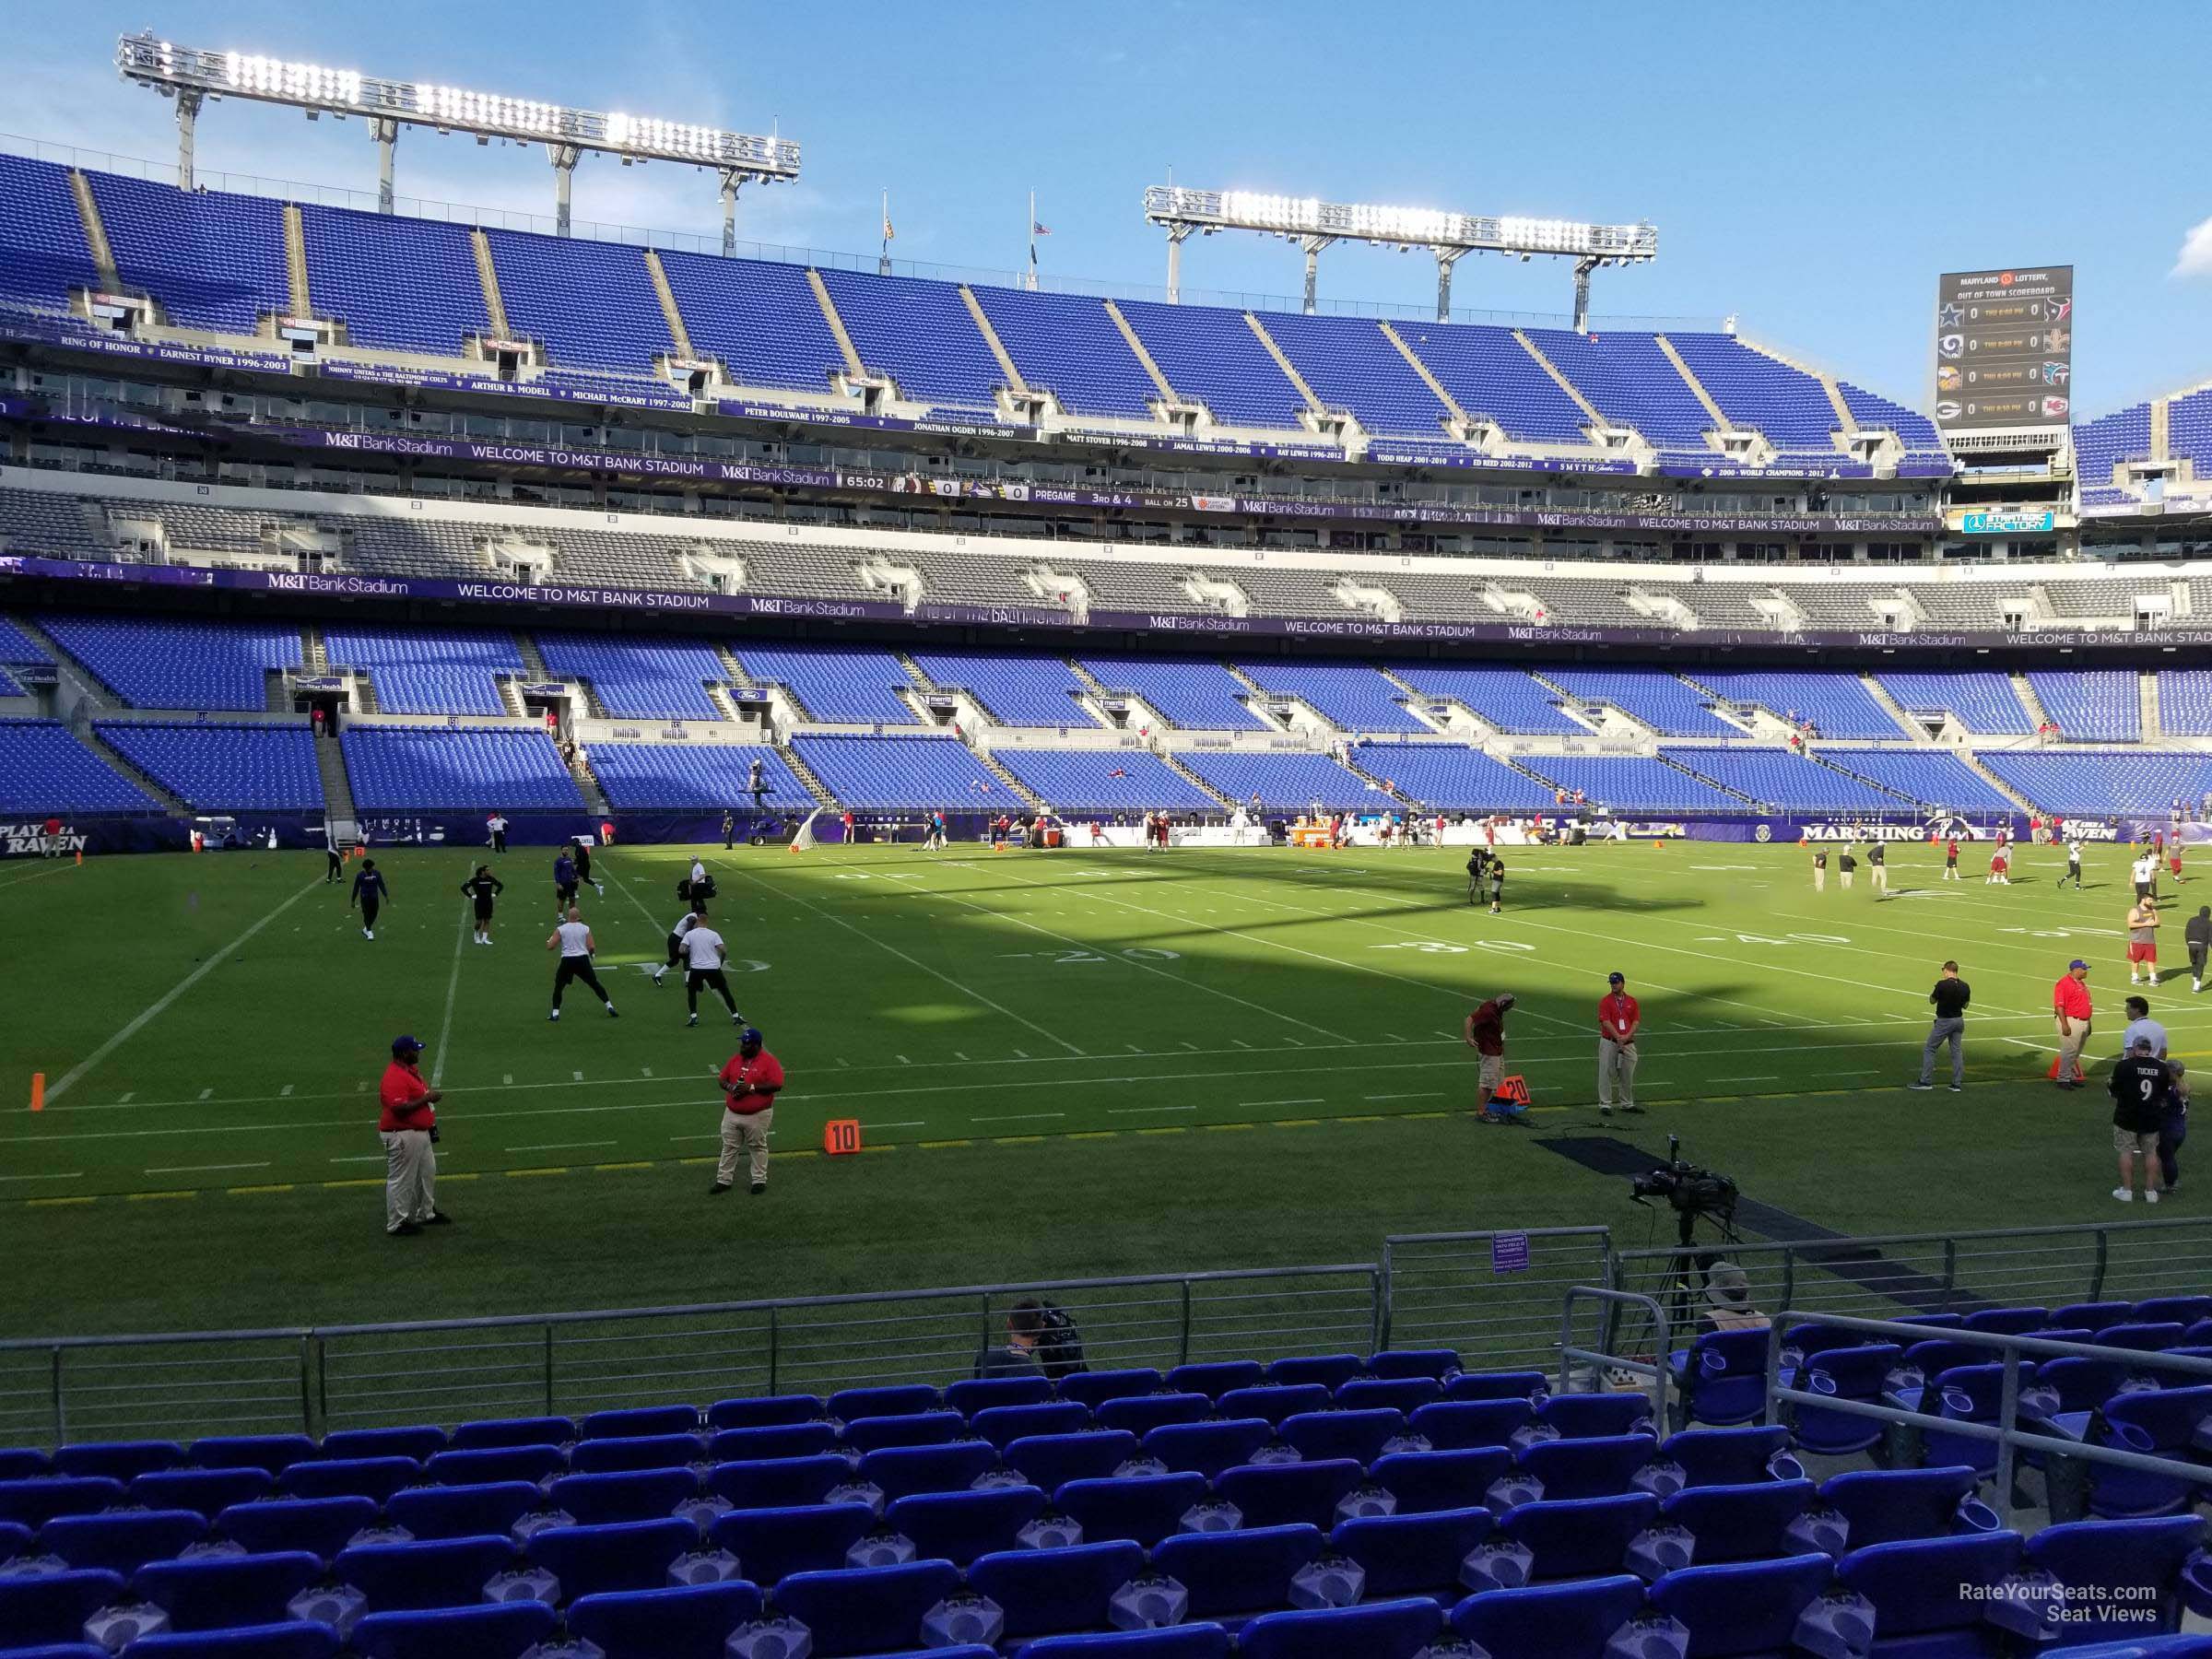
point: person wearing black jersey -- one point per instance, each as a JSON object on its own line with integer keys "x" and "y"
{"x": 1847, "y": 863}
{"x": 2142, "y": 1088}
{"x": 1497, "y": 884}
{"x": 483, "y": 888}
{"x": 368, "y": 893}
{"x": 583, "y": 866}
{"x": 729, "y": 830}
{"x": 1819, "y": 870}
{"x": 336, "y": 869}
{"x": 1878, "y": 867}
{"x": 2197, "y": 935}
{"x": 1950, "y": 998}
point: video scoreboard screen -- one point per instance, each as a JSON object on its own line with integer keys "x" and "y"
{"x": 2005, "y": 348}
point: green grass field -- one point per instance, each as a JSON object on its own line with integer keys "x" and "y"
{"x": 1064, "y": 1064}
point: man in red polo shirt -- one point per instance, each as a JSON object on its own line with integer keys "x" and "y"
{"x": 1486, "y": 1036}
{"x": 408, "y": 1126}
{"x": 2070, "y": 1006}
{"x": 750, "y": 1082}
{"x": 1619, "y": 1017}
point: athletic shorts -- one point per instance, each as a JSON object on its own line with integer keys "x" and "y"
{"x": 2143, "y": 1143}
{"x": 2142, "y": 953}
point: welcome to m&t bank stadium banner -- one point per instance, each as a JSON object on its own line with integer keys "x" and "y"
{"x": 2005, "y": 348}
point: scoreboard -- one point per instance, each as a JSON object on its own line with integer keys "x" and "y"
{"x": 2005, "y": 348}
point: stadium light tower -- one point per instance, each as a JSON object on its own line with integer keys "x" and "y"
{"x": 191, "y": 75}
{"x": 1314, "y": 225}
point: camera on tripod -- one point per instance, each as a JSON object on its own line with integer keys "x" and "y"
{"x": 1690, "y": 1190}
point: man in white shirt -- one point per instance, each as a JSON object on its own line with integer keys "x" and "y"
{"x": 497, "y": 826}
{"x": 684, "y": 924}
{"x": 2146, "y": 870}
{"x": 2141, "y": 1024}
{"x": 573, "y": 940}
{"x": 703, "y": 954}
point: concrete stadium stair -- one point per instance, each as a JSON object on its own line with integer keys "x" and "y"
{"x": 1193, "y": 780}
{"x": 96, "y": 232}
{"x": 669, "y": 312}
{"x": 808, "y": 776}
{"x": 1895, "y": 709}
{"x": 337, "y": 788}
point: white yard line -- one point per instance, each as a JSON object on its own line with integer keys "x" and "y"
{"x": 161, "y": 1005}
{"x": 51, "y": 866}
{"x": 205, "y": 1169}
{"x": 453, "y": 983}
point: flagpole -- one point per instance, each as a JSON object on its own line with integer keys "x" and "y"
{"x": 1032, "y": 242}
{"x": 883, "y": 260}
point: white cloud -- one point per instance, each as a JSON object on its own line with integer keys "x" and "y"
{"x": 2196, "y": 251}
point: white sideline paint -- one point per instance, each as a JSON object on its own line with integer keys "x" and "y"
{"x": 215, "y": 959}
{"x": 453, "y": 983}
{"x": 205, "y": 1169}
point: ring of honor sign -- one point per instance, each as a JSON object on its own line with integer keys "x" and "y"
{"x": 2005, "y": 348}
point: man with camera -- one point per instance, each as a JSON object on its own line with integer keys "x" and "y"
{"x": 408, "y": 1125}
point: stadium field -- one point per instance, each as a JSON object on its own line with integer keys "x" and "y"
{"x": 1064, "y": 1063}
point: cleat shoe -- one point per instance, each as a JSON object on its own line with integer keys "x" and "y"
{"x": 658, "y": 975}
{"x": 1958, "y": 1088}
{"x": 611, "y": 1013}
{"x": 761, "y": 1186}
{"x": 718, "y": 1189}
{"x": 692, "y": 1021}
{"x": 1919, "y": 1085}
{"x": 555, "y": 1015}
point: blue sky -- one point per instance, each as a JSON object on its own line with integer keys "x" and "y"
{"x": 1810, "y": 168}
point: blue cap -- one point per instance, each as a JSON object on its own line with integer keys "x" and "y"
{"x": 2076, "y": 962}
{"x": 406, "y": 1046}
{"x": 1615, "y": 979}
{"x": 750, "y": 1034}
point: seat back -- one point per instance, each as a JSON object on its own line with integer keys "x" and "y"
{"x": 210, "y": 1592}
{"x": 1279, "y": 1494}
{"x": 1140, "y": 1414}
{"x": 122, "y": 1542}
{"x": 1747, "y": 1607}
{"x": 462, "y": 1511}
{"x": 1587, "y": 1468}
{"x": 1003, "y": 1425}
{"x": 1748, "y": 1523}
{"x": 1092, "y": 1389}
{"x": 494, "y": 1433}
{"x": 1214, "y": 1378}
{"x": 1498, "y": 1386}
{"x": 272, "y": 1452}
{"x": 322, "y": 1526}
{"x": 867, "y": 1609}
{"x": 1589, "y": 1416}
{"x": 1395, "y": 1394}
{"x": 376, "y": 1477}
{"x": 490, "y": 1630}
{"x": 1439, "y": 1480}
{"x": 1412, "y": 1554}
{"x": 1043, "y": 1592}
{"x": 622, "y": 1555}
{"x": 692, "y": 1622}
{"x": 1274, "y": 1401}
{"x": 773, "y": 1544}
{"x": 424, "y": 1573}
{"x": 478, "y": 1465}
{"x": 972, "y": 1394}
{"x": 1360, "y": 1435}
{"x": 38, "y": 1500}
{"x": 636, "y": 1452}
{"x": 1323, "y": 1371}
{"x": 208, "y": 1490}
{"x": 2008, "y": 1322}
{"x": 960, "y": 1526}
{"x": 2120, "y": 1573}
{"x": 54, "y": 1607}
{"x": 1560, "y": 1621}
{"x": 1146, "y": 1509}
{"x": 280, "y": 1638}
{"x": 1887, "y": 1506}
{"x": 902, "y": 1471}
{"x": 1450, "y": 1425}
{"x": 1050, "y": 1461}
{"x": 1724, "y": 1456}
{"x": 631, "y": 1495}
{"x": 765, "y": 1411}
{"x": 1930, "y": 1584}
{"x": 778, "y": 1482}
{"x": 1578, "y": 1537}
{"x": 1382, "y": 1629}
{"x": 1230, "y": 1574}
{"x": 633, "y": 1422}
{"x": 417, "y": 1442}
{"x": 904, "y": 1399}
{"x": 913, "y": 1428}
{"x": 1208, "y": 1448}
{"x": 771, "y": 1440}
{"x": 118, "y": 1460}
{"x": 1437, "y": 1364}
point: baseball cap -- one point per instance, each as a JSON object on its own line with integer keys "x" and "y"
{"x": 750, "y": 1034}
{"x": 406, "y": 1046}
{"x": 1617, "y": 979}
{"x": 2076, "y": 962}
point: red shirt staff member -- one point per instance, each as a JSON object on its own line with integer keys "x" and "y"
{"x": 751, "y": 1081}
{"x": 408, "y": 1125}
{"x": 1619, "y": 1017}
{"x": 1486, "y": 1036}
{"x": 2070, "y": 1006}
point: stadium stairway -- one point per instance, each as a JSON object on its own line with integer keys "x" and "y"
{"x": 595, "y": 798}
{"x": 295, "y": 262}
{"x": 838, "y": 332}
{"x": 2029, "y": 699}
{"x": 1187, "y": 774}
{"x": 1095, "y": 691}
{"x": 1427, "y": 375}
{"x": 1027, "y": 796}
{"x": 1891, "y": 707}
{"x": 1689, "y": 772}
{"x": 1374, "y": 780}
{"x": 2147, "y": 700}
{"x": 96, "y": 233}
{"x": 806, "y": 775}
{"x": 488, "y": 275}
{"x": 85, "y": 734}
{"x": 1845, "y": 421}
{"x": 1282, "y": 362}
{"x": 916, "y": 699}
{"x": 314, "y": 655}
{"x": 1973, "y": 764}
{"x": 1006, "y": 366}
{"x": 1588, "y": 408}
{"x": 1144, "y": 356}
{"x": 77, "y": 681}
{"x": 1666, "y": 347}
{"x": 677, "y": 330}
{"x": 533, "y": 659}
{"x": 277, "y": 694}
{"x": 337, "y": 786}
{"x": 1265, "y": 696}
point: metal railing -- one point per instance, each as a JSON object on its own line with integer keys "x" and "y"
{"x": 1607, "y": 1304}
{"x": 1496, "y": 1296}
{"x": 1493, "y": 1295}
{"x": 2010, "y": 1438}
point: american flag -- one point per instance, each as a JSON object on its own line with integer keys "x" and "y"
{"x": 1038, "y": 230}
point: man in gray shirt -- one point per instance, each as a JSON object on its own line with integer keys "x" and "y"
{"x": 1950, "y": 998}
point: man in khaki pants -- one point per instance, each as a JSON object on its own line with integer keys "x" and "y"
{"x": 1486, "y": 1035}
{"x": 408, "y": 1125}
{"x": 2070, "y": 1008}
{"x": 1619, "y": 1019}
{"x": 750, "y": 1083}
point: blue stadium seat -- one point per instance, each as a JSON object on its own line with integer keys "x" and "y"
{"x": 764, "y": 1411}
{"x": 2008, "y": 1322}
{"x": 1178, "y": 1642}
{"x": 867, "y": 1609}
{"x": 1209, "y": 1447}
{"x": 280, "y": 1638}
{"x": 633, "y": 1422}
{"x": 2182, "y": 1310}
{"x": 1214, "y": 1378}
{"x": 1140, "y": 1414}
{"x": 1576, "y": 1537}
{"x": 425, "y": 1572}
{"x": 778, "y": 1482}
{"x": 2162, "y": 1422}
{"x": 636, "y": 1451}
{"x": 22, "y": 1463}
{"x": 1422, "y": 1481}
{"x": 1599, "y": 1467}
{"x": 1723, "y": 1376}
{"x": 213, "y": 1591}
{"x": 1726, "y": 1456}
{"x": 1232, "y": 1576}
{"x": 1274, "y": 1401}
{"x": 1748, "y": 1608}
{"x": 15, "y": 1540}
{"x": 492, "y": 1630}
{"x": 2117, "y": 1578}
{"x": 1560, "y": 1621}
{"x": 123, "y": 1541}
{"x": 1845, "y": 1373}
{"x": 1402, "y": 1395}
{"x": 1965, "y": 1393}
{"x": 2149, "y": 1336}
{"x": 418, "y": 1443}
{"x": 1056, "y": 1592}
{"x": 268, "y": 767}
{"x": 906, "y": 1399}
{"x": 960, "y": 1526}
{"x": 1383, "y": 1629}
{"x": 1280, "y": 1494}
{"x": 773, "y": 1544}
{"x": 1324, "y": 1371}
{"x": 271, "y": 1453}
{"x": 1413, "y": 1554}
{"x": 1361, "y": 1435}
{"x": 1146, "y": 1508}
{"x": 208, "y": 1490}
{"x": 1889, "y": 1506}
{"x": 765, "y": 1441}
{"x": 118, "y": 1460}
{"x": 625, "y": 1555}
{"x": 920, "y": 1429}
{"x": 1498, "y": 1386}
{"x": 628, "y": 1495}
{"x": 689, "y": 1622}
{"x": 2092, "y": 1316}
{"x": 1590, "y": 1416}
{"x": 464, "y": 1467}
{"x": 376, "y": 1477}
{"x": 1094, "y": 1388}
{"x": 972, "y": 1394}
{"x": 1931, "y": 1595}
{"x": 440, "y": 768}
{"x": 322, "y": 1526}
{"x": 35, "y": 1501}
{"x": 1003, "y": 1425}
{"x": 490, "y": 1432}
{"x": 902, "y": 1471}
{"x": 54, "y": 1607}
{"x": 463, "y": 1512}
{"x": 1757, "y": 1522}
{"x": 1438, "y": 1364}
{"x": 1050, "y": 1461}
{"x": 154, "y": 662}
